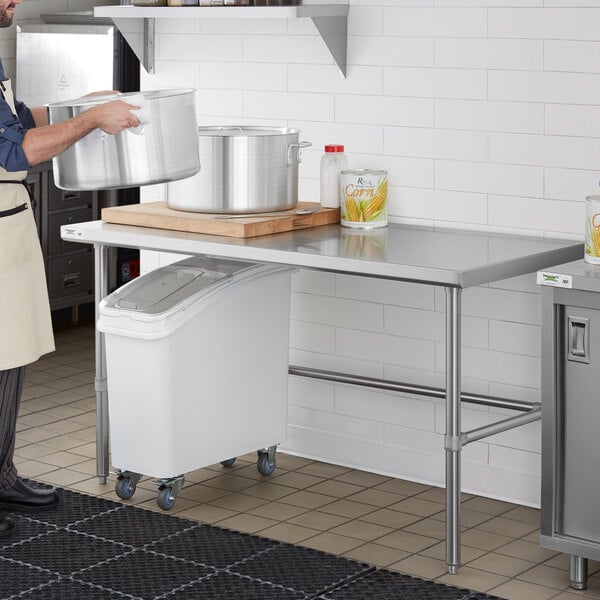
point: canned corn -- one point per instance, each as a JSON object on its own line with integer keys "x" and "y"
{"x": 592, "y": 230}
{"x": 363, "y": 198}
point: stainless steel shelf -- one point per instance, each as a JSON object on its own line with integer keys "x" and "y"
{"x": 137, "y": 23}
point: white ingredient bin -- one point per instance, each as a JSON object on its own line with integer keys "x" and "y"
{"x": 197, "y": 369}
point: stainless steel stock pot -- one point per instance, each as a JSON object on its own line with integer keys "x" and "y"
{"x": 163, "y": 148}
{"x": 244, "y": 170}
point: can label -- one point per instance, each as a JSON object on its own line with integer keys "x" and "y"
{"x": 363, "y": 198}
{"x": 592, "y": 230}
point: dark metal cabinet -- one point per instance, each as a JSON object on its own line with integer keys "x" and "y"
{"x": 69, "y": 266}
{"x": 571, "y": 414}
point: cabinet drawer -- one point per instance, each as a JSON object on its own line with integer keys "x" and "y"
{"x": 55, "y": 244}
{"x": 61, "y": 199}
{"x": 71, "y": 275}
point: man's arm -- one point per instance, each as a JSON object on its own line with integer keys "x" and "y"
{"x": 40, "y": 116}
{"x": 46, "y": 141}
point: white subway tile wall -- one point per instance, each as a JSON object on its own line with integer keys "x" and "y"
{"x": 485, "y": 113}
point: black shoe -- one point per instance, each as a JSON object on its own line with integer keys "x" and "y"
{"x": 6, "y": 525}
{"x": 22, "y": 497}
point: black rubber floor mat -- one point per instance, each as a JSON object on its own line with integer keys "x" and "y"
{"x": 223, "y": 586}
{"x": 24, "y": 529}
{"x": 133, "y": 527}
{"x": 63, "y": 552}
{"x": 303, "y": 569}
{"x": 212, "y": 546}
{"x": 16, "y": 578}
{"x": 143, "y": 574}
{"x": 396, "y": 586}
{"x": 88, "y": 548}
{"x": 66, "y": 589}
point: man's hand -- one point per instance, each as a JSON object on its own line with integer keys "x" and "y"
{"x": 113, "y": 117}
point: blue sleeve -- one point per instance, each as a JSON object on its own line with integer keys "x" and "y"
{"x": 24, "y": 115}
{"x": 12, "y": 130}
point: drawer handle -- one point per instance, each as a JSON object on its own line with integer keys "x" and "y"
{"x": 68, "y": 197}
{"x": 578, "y": 339}
{"x": 70, "y": 281}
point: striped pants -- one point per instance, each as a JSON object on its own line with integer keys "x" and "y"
{"x": 11, "y": 386}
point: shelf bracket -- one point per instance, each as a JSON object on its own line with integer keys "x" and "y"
{"x": 334, "y": 32}
{"x": 139, "y": 34}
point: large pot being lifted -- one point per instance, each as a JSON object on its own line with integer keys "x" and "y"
{"x": 163, "y": 148}
{"x": 244, "y": 170}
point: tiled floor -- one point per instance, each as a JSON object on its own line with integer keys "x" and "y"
{"x": 385, "y": 522}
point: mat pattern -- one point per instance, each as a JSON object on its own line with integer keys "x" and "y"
{"x": 92, "y": 548}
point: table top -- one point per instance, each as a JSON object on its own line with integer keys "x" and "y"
{"x": 448, "y": 257}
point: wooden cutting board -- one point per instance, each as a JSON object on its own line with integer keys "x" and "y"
{"x": 160, "y": 216}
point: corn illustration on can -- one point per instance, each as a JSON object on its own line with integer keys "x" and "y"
{"x": 363, "y": 198}
{"x": 592, "y": 230}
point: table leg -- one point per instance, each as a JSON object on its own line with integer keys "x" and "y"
{"x": 453, "y": 443}
{"x": 101, "y": 290}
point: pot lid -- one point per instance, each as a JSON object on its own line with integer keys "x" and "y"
{"x": 102, "y": 98}
{"x": 245, "y": 131}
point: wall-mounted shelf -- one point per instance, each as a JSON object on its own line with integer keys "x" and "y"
{"x": 137, "y": 23}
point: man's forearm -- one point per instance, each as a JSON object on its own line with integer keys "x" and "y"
{"x": 43, "y": 143}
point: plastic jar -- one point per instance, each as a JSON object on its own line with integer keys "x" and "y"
{"x": 332, "y": 162}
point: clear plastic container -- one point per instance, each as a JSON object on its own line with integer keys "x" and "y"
{"x": 332, "y": 162}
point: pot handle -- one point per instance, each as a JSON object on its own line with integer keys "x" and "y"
{"x": 299, "y": 145}
{"x": 230, "y": 127}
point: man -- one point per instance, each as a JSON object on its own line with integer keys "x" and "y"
{"x": 26, "y": 139}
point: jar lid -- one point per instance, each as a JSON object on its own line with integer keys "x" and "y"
{"x": 334, "y": 148}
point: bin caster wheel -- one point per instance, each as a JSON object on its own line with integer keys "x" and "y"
{"x": 165, "y": 498}
{"x": 125, "y": 487}
{"x": 228, "y": 462}
{"x": 264, "y": 465}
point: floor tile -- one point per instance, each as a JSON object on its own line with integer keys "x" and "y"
{"x": 404, "y": 540}
{"x": 247, "y": 523}
{"x": 519, "y": 590}
{"x": 361, "y": 530}
{"x": 416, "y": 506}
{"x": 376, "y": 554}
{"x": 332, "y": 543}
{"x": 475, "y": 579}
{"x": 420, "y": 566}
{"x": 501, "y": 564}
{"x": 289, "y": 533}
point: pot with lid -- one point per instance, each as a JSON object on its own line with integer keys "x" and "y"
{"x": 162, "y": 148}
{"x": 244, "y": 170}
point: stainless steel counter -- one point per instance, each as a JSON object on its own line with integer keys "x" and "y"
{"x": 453, "y": 259}
{"x": 439, "y": 257}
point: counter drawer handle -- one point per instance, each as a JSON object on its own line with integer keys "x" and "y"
{"x": 70, "y": 281}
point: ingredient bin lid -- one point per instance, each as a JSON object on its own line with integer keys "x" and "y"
{"x": 161, "y": 290}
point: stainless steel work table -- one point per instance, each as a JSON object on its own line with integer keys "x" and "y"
{"x": 452, "y": 259}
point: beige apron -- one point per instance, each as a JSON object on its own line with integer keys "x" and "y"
{"x": 25, "y": 323}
